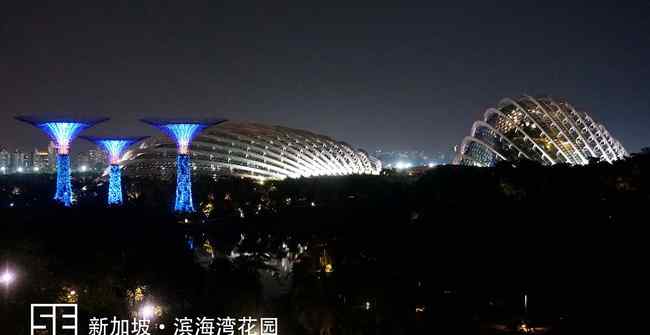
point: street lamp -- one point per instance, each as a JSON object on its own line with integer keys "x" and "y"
{"x": 147, "y": 311}
{"x": 7, "y": 277}
{"x": 150, "y": 311}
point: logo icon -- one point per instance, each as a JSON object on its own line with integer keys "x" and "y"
{"x": 55, "y": 319}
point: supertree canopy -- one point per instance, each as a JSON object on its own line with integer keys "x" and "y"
{"x": 182, "y": 132}
{"x": 114, "y": 148}
{"x": 62, "y": 132}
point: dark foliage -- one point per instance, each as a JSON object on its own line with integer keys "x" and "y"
{"x": 460, "y": 245}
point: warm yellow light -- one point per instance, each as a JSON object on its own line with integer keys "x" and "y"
{"x": 149, "y": 311}
{"x": 524, "y": 328}
{"x": 69, "y": 296}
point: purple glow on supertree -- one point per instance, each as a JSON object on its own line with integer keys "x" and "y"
{"x": 114, "y": 147}
{"x": 182, "y": 132}
{"x": 62, "y": 132}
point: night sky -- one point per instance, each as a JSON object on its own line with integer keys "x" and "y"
{"x": 392, "y": 78}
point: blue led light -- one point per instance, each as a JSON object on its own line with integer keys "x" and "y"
{"x": 183, "y": 202}
{"x": 115, "y": 185}
{"x": 62, "y": 133}
{"x": 114, "y": 148}
{"x": 190, "y": 242}
{"x": 183, "y": 133}
{"x": 63, "y": 185}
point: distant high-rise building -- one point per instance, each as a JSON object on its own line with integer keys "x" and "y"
{"x": 16, "y": 163}
{"x": 96, "y": 159}
{"x": 91, "y": 160}
{"x": 51, "y": 156}
{"x": 5, "y": 161}
{"x": 20, "y": 162}
{"x": 28, "y": 161}
{"x": 81, "y": 162}
{"x": 41, "y": 161}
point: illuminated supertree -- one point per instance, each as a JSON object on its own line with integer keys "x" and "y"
{"x": 182, "y": 132}
{"x": 62, "y": 132}
{"x": 114, "y": 148}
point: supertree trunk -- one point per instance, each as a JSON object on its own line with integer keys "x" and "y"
{"x": 63, "y": 185}
{"x": 183, "y": 202}
{"x": 115, "y": 186}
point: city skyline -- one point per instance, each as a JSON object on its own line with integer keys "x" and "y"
{"x": 300, "y": 167}
{"x": 368, "y": 78}
{"x": 43, "y": 160}
{"x": 93, "y": 159}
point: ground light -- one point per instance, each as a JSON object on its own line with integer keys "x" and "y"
{"x": 147, "y": 312}
{"x": 401, "y": 165}
{"x": 7, "y": 277}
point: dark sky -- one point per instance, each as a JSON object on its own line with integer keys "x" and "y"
{"x": 377, "y": 77}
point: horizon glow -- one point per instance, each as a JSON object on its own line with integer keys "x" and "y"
{"x": 401, "y": 165}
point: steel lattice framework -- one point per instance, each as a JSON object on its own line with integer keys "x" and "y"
{"x": 182, "y": 132}
{"x": 542, "y": 129}
{"x": 257, "y": 151}
{"x": 62, "y": 131}
{"x": 114, "y": 148}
